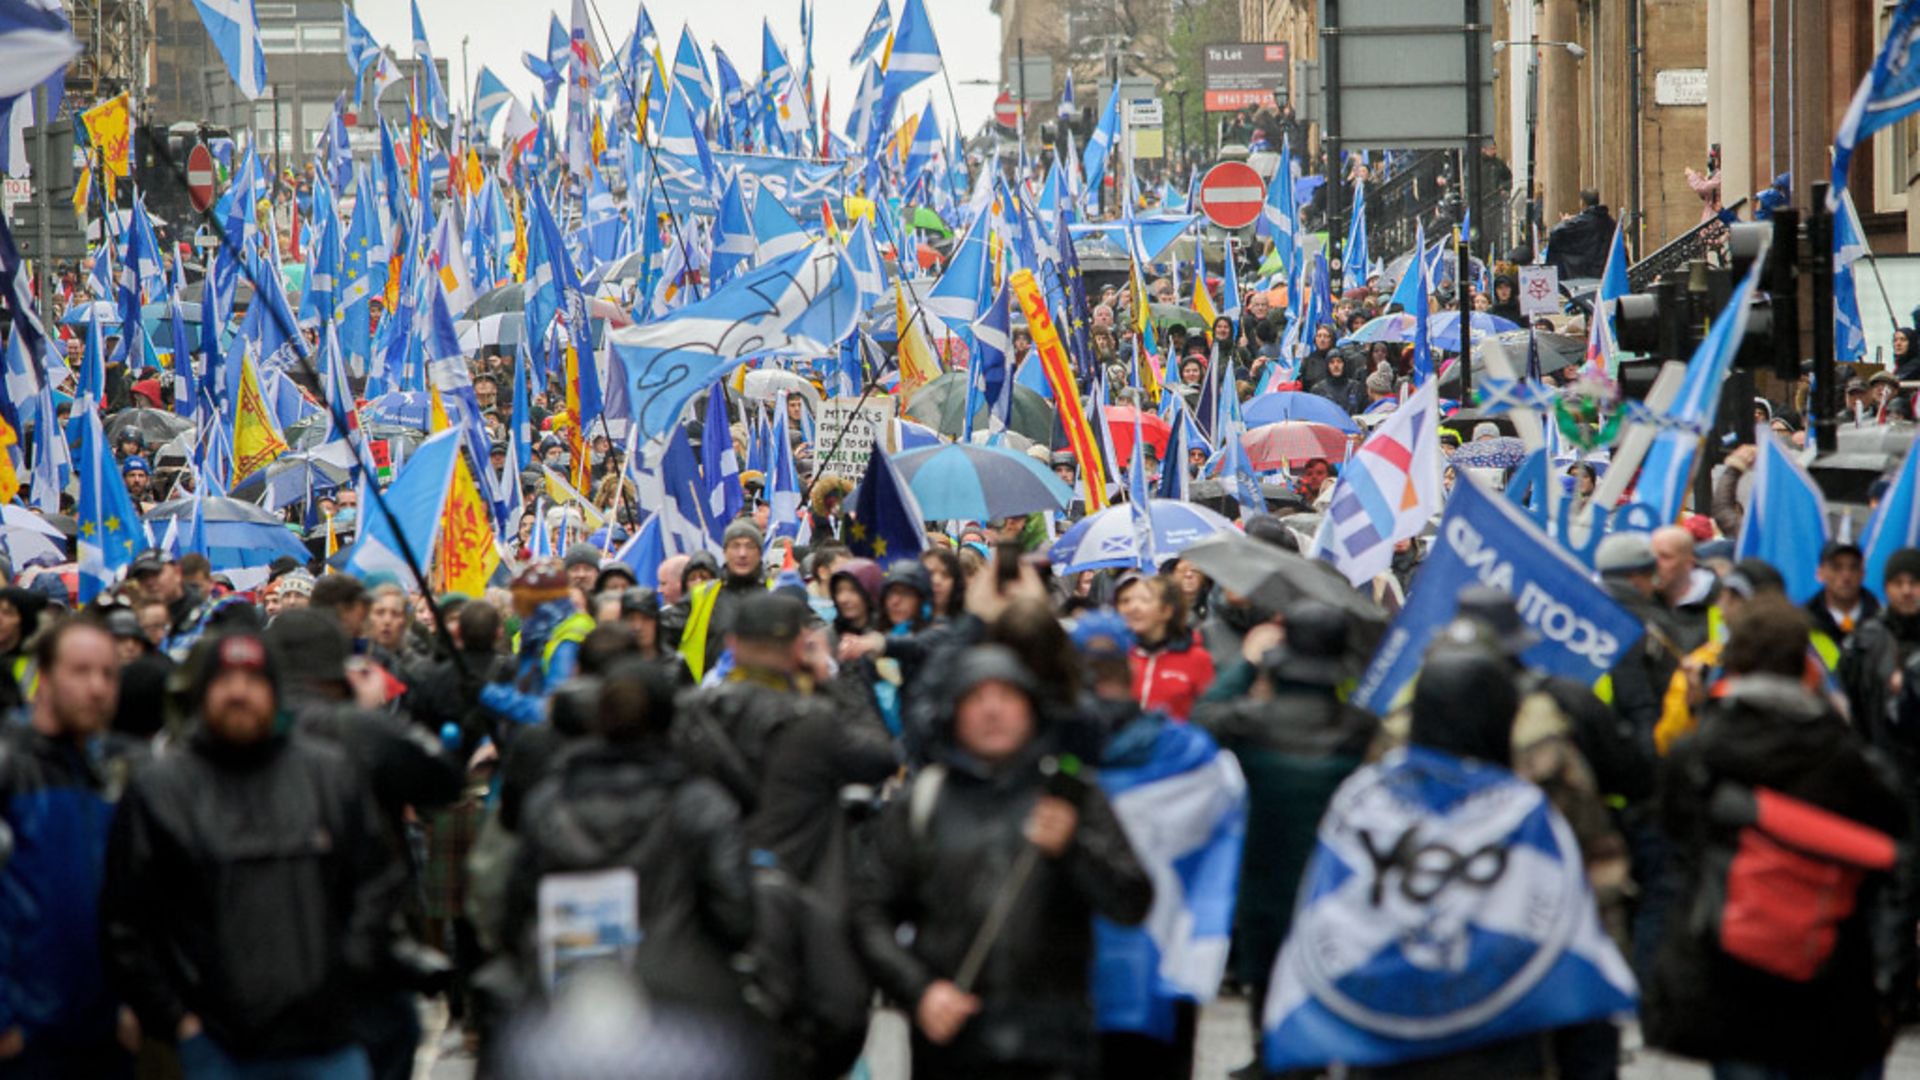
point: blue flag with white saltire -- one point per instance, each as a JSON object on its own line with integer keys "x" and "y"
{"x": 1184, "y": 810}
{"x": 1094, "y": 161}
{"x": 142, "y": 259}
{"x": 775, "y": 230}
{"x": 1277, "y": 213}
{"x": 690, "y": 73}
{"x": 887, "y": 522}
{"x": 876, "y": 35}
{"x": 733, "y": 240}
{"x": 1849, "y": 247}
{"x": 988, "y": 380}
{"x": 489, "y": 97}
{"x": 1422, "y": 312}
{"x": 1889, "y": 93}
{"x": 436, "y": 94}
{"x": 1354, "y": 257}
{"x": 1383, "y": 967}
{"x": 784, "y": 494}
{"x": 414, "y": 505}
{"x": 1669, "y": 462}
{"x": 1068, "y": 109}
{"x": 916, "y": 54}
{"x": 806, "y": 300}
{"x": 235, "y": 30}
{"x": 36, "y": 41}
{"x": 719, "y": 465}
{"x": 1786, "y": 518}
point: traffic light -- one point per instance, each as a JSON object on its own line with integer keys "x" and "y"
{"x": 1669, "y": 320}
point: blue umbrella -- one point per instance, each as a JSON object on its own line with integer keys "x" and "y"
{"x": 413, "y": 410}
{"x": 239, "y": 534}
{"x": 1106, "y": 539}
{"x": 917, "y": 436}
{"x": 1297, "y": 405}
{"x": 1443, "y": 329}
{"x": 980, "y": 483}
{"x": 291, "y": 477}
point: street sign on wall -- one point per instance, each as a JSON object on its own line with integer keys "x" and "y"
{"x": 1244, "y": 73}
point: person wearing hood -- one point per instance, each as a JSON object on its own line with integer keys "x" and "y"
{"x": 1339, "y": 387}
{"x": 1506, "y": 300}
{"x": 987, "y": 817}
{"x": 1314, "y": 367}
{"x": 1815, "y": 1008}
{"x": 248, "y": 955}
{"x": 1147, "y": 1020}
{"x": 621, "y": 802}
{"x": 1296, "y": 741}
{"x": 20, "y": 611}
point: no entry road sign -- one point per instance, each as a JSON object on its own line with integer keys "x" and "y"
{"x": 1231, "y": 194}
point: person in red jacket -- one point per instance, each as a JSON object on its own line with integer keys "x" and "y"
{"x": 1171, "y": 667}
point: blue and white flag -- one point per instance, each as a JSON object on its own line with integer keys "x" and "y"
{"x": 1849, "y": 247}
{"x": 1094, "y": 161}
{"x": 1484, "y": 540}
{"x": 775, "y": 230}
{"x": 489, "y": 97}
{"x": 1354, "y": 257}
{"x": 1669, "y": 462}
{"x": 916, "y": 54}
{"x": 415, "y": 502}
{"x": 1391, "y": 960}
{"x": 1895, "y": 524}
{"x": 1277, "y": 213}
{"x": 1786, "y": 518}
{"x": 110, "y": 530}
{"x": 806, "y": 300}
{"x": 235, "y": 31}
{"x": 361, "y": 47}
{"x": 1184, "y": 810}
{"x": 36, "y": 42}
{"x": 719, "y": 466}
{"x": 1388, "y": 490}
{"x": 436, "y": 94}
{"x": 1889, "y": 93}
{"x": 876, "y": 35}
{"x": 1068, "y": 110}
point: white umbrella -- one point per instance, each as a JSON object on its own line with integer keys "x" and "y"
{"x": 766, "y": 384}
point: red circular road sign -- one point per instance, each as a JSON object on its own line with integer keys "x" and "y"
{"x": 200, "y": 178}
{"x": 1005, "y": 112}
{"x": 1231, "y": 194}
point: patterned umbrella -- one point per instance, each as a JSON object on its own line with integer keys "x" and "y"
{"x": 1106, "y": 539}
{"x": 1293, "y": 442}
{"x": 1501, "y": 452}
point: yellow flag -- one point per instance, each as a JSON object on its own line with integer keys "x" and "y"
{"x": 518, "y": 260}
{"x": 919, "y": 363}
{"x": 561, "y": 493}
{"x": 256, "y": 438}
{"x": 110, "y": 129}
{"x": 858, "y": 209}
{"x": 9, "y": 477}
{"x": 1202, "y": 303}
{"x": 82, "y": 188}
{"x": 598, "y": 143}
{"x": 437, "y": 421}
{"x": 466, "y": 557}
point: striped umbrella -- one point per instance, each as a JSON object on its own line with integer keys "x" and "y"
{"x": 962, "y": 482}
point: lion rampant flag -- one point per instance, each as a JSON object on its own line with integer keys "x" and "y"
{"x": 465, "y": 557}
{"x": 919, "y": 363}
{"x": 256, "y": 438}
{"x": 110, "y": 130}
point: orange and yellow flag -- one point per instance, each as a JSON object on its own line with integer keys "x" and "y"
{"x": 256, "y": 438}
{"x": 9, "y": 476}
{"x": 466, "y": 557}
{"x": 1066, "y": 390}
{"x": 919, "y": 363}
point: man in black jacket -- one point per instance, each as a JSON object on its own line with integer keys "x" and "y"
{"x": 248, "y": 885}
{"x": 1579, "y": 244}
{"x": 982, "y": 820}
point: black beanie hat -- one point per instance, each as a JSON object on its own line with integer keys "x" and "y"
{"x": 1905, "y": 561}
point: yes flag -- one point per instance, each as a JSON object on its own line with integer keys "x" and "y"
{"x": 1390, "y": 961}
{"x": 1786, "y": 518}
{"x": 1484, "y": 540}
{"x": 887, "y": 523}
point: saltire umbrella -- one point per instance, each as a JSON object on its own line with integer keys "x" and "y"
{"x": 1443, "y": 329}
{"x": 291, "y": 477}
{"x": 1105, "y": 540}
{"x": 503, "y": 329}
{"x": 961, "y": 482}
{"x": 1121, "y": 420}
{"x": 1292, "y": 442}
{"x": 104, "y": 312}
{"x": 239, "y": 534}
{"x": 1297, "y": 405}
{"x": 942, "y": 401}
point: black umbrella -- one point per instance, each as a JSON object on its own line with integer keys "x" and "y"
{"x": 156, "y": 426}
{"x": 941, "y": 403}
{"x": 1273, "y": 577}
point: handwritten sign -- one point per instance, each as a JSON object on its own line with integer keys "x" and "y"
{"x": 847, "y": 429}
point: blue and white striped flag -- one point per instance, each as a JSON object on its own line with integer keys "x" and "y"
{"x": 1184, "y": 810}
{"x": 1387, "y": 490}
{"x": 1394, "y": 957}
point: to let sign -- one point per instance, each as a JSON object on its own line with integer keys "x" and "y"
{"x": 1245, "y": 73}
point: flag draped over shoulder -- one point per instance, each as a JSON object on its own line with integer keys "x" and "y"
{"x": 1391, "y": 960}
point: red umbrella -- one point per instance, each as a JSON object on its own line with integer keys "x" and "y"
{"x": 1293, "y": 442}
{"x": 1120, "y": 423}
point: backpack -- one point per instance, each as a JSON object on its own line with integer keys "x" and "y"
{"x": 1783, "y": 874}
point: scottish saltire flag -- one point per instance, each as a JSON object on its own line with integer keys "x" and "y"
{"x": 1669, "y": 462}
{"x": 1387, "y": 491}
{"x": 1786, "y": 518}
{"x": 886, "y": 523}
{"x": 1849, "y": 247}
{"x": 719, "y": 465}
{"x": 1184, "y": 810}
{"x": 1354, "y": 257}
{"x": 784, "y": 494}
{"x": 1422, "y": 311}
{"x": 956, "y": 298}
{"x": 109, "y": 526}
{"x": 235, "y": 31}
{"x": 1094, "y": 162}
{"x": 863, "y": 257}
{"x": 436, "y": 94}
{"x": 414, "y": 511}
{"x": 916, "y": 55}
{"x": 988, "y": 379}
{"x": 804, "y": 300}
{"x": 1068, "y": 109}
{"x": 142, "y": 260}
{"x": 362, "y": 49}
{"x": 1174, "y": 480}
{"x": 1277, "y": 213}
{"x": 52, "y": 458}
{"x": 36, "y": 41}
{"x": 690, "y": 73}
{"x": 775, "y": 230}
{"x": 489, "y": 97}
{"x": 876, "y": 35}
{"x": 1390, "y": 962}
{"x": 733, "y": 240}
{"x": 1889, "y": 93}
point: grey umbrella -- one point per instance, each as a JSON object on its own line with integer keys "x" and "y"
{"x": 1273, "y": 577}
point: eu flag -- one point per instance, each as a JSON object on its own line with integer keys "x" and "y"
{"x": 887, "y": 523}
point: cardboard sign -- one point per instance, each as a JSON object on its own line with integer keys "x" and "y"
{"x": 846, "y": 430}
{"x": 1539, "y": 290}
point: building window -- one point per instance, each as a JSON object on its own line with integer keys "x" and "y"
{"x": 279, "y": 39}
{"x": 322, "y": 39}
{"x": 275, "y": 11}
